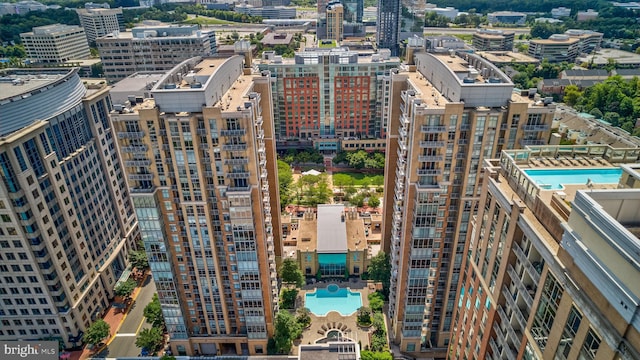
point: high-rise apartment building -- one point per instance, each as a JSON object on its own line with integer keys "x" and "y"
{"x": 335, "y": 21}
{"x": 55, "y": 43}
{"x": 201, "y": 165}
{"x": 98, "y": 22}
{"x": 157, "y": 48}
{"x": 66, "y": 220}
{"x": 552, "y": 264}
{"x": 330, "y": 98}
{"x": 388, "y": 25}
{"x": 449, "y": 112}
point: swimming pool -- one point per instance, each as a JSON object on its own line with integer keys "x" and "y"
{"x": 333, "y": 298}
{"x": 553, "y": 179}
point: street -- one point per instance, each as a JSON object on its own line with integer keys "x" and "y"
{"x": 124, "y": 343}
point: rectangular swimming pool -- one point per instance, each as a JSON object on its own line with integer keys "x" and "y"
{"x": 555, "y": 178}
{"x": 333, "y": 298}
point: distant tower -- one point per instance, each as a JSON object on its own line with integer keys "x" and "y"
{"x": 388, "y": 26}
{"x": 335, "y": 17}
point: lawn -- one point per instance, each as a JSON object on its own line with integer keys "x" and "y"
{"x": 207, "y": 21}
{"x": 327, "y": 44}
{"x": 358, "y": 179}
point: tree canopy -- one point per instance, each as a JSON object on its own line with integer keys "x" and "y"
{"x": 96, "y": 332}
{"x": 151, "y": 339}
{"x": 290, "y": 272}
{"x": 139, "y": 259}
{"x": 380, "y": 270}
{"x": 287, "y": 329}
{"x": 153, "y": 313}
{"x": 125, "y": 289}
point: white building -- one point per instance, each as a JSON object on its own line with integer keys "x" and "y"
{"x": 100, "y": 21}
{"x": 55, "y": 43}
{"x": 559, "y": 12}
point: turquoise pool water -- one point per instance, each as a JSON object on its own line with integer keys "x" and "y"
{"x": 333, "y": 298}
{"x": 553, "y": 179}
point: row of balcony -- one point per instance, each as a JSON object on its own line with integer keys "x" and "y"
{"x": 533, "y": 272}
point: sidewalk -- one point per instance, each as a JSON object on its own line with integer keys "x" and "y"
{"x": 114, "y": 317}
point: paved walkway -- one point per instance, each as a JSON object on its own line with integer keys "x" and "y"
{"x": 114, "y": 317}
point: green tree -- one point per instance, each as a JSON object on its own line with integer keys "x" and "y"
{"x": 138, "y": 259}
{"x": 290, "y": 273}
{"x": 596, "y": 112}
{"x": 374, "y": 202}
{"x": 150, "y": 339}
{"x": 380, "y": 270}
{"x": 96, "y": 332}
{"x": 376, "y": 301}
{"x": 571, "y": 95}
{"x": 303, "y": 317}
{"x": 153, "y": 313}
{"x": 286, "y": 330}
{"x": 125, "y": 289}
{"x": 285, "y": 179}
{"x": 374, "y": 355}
{"x": 288, "y": 298}
{"x": 364, "y": 315}
{"x": 357, "y": 159}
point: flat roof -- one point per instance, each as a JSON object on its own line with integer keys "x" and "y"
{"x": 507, "y": 57}
{"x": 602, "y": 56}
{"x": 430, "y": 95}
{"x": 19, "y": 84}
{"x": 332, "y": 229}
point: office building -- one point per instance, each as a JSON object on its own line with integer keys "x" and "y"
{"x": 21, "y": 7}
{"x": 447, "y": 116}
{"x": 507, "y": 17}
{"x": 67, "y": 223}
{"x": 448, "y": 11}
{"x": 267, "y": 12}
{"x": 552, "y": 265}
{"x": 98, "y": 22}
{"x": 493, "y": 40}
{"x": 200, "y": 157}
{"x": 590, "y": 14}
{"x": 157, "y": 48}
{"x": 567, "y": 46}
{"x": 327, "y": 98}
{"x": 589, "y": 40}
{"x": 55, "y": 43}
{"x": 335, "y": 21}
{"x": 388, "y": 26}
{"x": 559, "y": 12}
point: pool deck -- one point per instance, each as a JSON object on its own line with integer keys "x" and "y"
{"x": 321, "y": 325}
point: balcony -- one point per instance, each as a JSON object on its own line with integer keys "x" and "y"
{"x": 239, "y": 189}
{"x": 464, "y": 127}
{"x": 426, "y": 172}
{"x": 135, "y": 149}
{"x": 531, "y": 142}
{"x": 541, "y": 127}
{"x": 430, "y": 158}
{"x": 525, "y": 262}
{"x": 514, "y": 307}
{"x": 238, "y": 175}
{"x": 137, "y": 163}
{"x": 141, "y": 177}
{"x": 431, "y": 144}
{"x": 131, "y": 135}
{"x": 234, "y": 147}
{"x": 233, "y": 132}
{"x": 524, "y": 292}
{"x": 237, "y": 161}
{"x": 432, "y": 129}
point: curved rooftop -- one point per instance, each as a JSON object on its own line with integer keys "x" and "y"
{"x": 30, "y": 96}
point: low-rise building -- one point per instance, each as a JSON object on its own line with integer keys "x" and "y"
{"x": 603, "y": 57}
{"x": 55, "y": 43}
{"x": 273, "y": 38}
{"x": 507, "y": 17}
{"x": 584, "y": 74}
{"x": 267, "y": 12}
{"x": 493, "y": 40}
{"x": 507, "y": 57}
{"x": 590, "y": 14}
{"x": 557, "y": 48}
{"x": 448, "y": 11}
{"x": 153, "y": 48}
{"x": 559, "y": 12}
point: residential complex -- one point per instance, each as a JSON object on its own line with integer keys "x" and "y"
{"x": 551, "y": 271}
{"x": 98, "y": 22}
{"x": 67, "y": 223}
{"x": 449, "y": 112}
{"x": 388, "y": 25}
{"x": 157, "y": 48}
{"x": 328, "y": 98}
{"x": 55, "y": 43}
{"x": 200, "y": 159}
{"x": 493, "y": 40}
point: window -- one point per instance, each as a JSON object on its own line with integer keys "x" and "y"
{"x": 590, "y": 345}
{"x": 569, "y": 333}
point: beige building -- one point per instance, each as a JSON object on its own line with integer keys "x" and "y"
{"x": 449, "y": 113}
{"x": 55, "y": 43}
{"x": 493, "y": 40}
{"x": 335, "y": 22}
{"x": 550, "y": 272}
{"x": 567, "y": 46}
{"x": 67, "y": 223}
{"x": 332, "y": 241}
{"x": 200, "y": 159}
{"x": 98, "y": 22}
{"x": 157, "y": 48}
